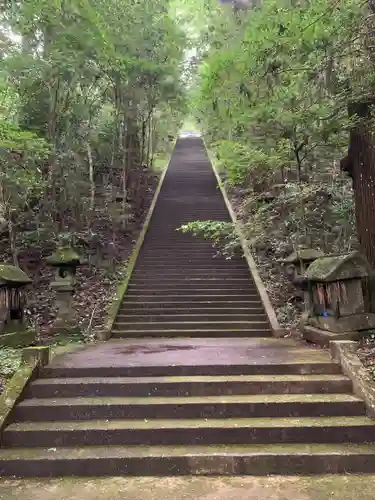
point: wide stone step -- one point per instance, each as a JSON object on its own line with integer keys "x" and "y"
{"x": 168, "y": 240}
{"x": 193, "y": 275}
{"x": 211, "y": 264}
{"x": 194, "y": 272}
{"x": 190, "y": 431}
{"x": 185, "y": 284}
{"x": 257, "y": 460}
{"x": 187, "y": 290}
{"x": 215, "y": 262}
{"x": 187, "y": 316}
{"x": 192, "y": 249}
{"x": 177, "y": 255}
{"x": 192, "y": 325}
{"x": 306, "y": 364}
{"x": 120, "y": 332}
{"x": 203, "y": 306}
{"x": 189, "y": 296}
{"x": 185, "y": 275}
{"x": 286, "y": 405}
{"x": 187, "y": 309}
{"x": 188, "y": 385}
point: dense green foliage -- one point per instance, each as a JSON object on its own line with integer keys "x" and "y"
{"x": 89, "y": 91}
{"x": 272, "y": 99}
{"x": 222, "y": 235}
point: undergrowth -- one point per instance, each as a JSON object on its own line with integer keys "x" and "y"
{"x": 222, "y": 235}
{"x": 10, "y": 361}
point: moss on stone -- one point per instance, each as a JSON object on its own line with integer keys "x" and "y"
{"x": 17, "y": 338}
{"x": 13, "y": 391}
{"x": 64, "y": 255}
{"x": 13, "y": 274}
{"x": 40, "y": 354}
{"x": 338, "y": 267}
{"x": 304, "y": 255}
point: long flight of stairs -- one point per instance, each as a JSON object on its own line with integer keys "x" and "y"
{"x": 194, "y": 382}
{"x": 177, "y": 288}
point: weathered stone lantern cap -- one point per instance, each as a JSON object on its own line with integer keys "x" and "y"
{"x": 13, "y": 276}
{"x": 304, "y": 255}
{"x": 330, "y": 268}
{"x": 64, "y": 256}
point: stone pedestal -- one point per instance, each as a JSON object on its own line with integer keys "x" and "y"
{"x": 66, "y": 319}
{"x": 39, "y": 354}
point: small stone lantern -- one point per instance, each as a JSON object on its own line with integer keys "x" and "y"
{"x": 65, "y": 261}
{"x": 13, "y": 328}
{"x": 336, "y": 296}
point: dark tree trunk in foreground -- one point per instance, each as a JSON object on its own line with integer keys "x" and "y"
{"x": 360, "y": 165}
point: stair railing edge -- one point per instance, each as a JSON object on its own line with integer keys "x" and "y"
{"x": 122, "y": 286}
{"x": 270, "y": 311}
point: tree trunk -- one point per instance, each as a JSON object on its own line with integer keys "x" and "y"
{"x": 12, "y": 240}
{"x": 360, "y": 165}
{"x": 91, "y": 177}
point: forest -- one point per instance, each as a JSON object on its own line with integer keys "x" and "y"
{"x": 284, "y": 97}
{"x": 93, "y": 94}
{"x": 91, "y": 97}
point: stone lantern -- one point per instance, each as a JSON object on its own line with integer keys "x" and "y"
{"x": 65, "y": 261}
{"x": 336, "y": 295}
{"x": 13, "y": 328}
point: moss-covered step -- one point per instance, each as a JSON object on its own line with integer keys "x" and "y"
{"x": 21, "y": 338}
{"x": 189, "y": 386}
{"x": 286, "y": 405}
{"x": 356, "y": 429}
{"x": 255, "y": 460}
{"x": 14, "y": 391}
{"x": 37, "y": 354}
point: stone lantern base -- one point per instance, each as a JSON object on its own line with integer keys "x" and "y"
{"x": 324, "y": 337}
{"x": 66, "y": 320}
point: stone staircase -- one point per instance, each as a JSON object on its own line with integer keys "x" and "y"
{"x": 177, "y": 288}
{"x": 196, "y": 384}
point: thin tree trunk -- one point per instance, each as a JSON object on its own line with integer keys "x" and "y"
{"x": 143, "y": 140}
{"x": 149, "y": 139}
{"x": 125, "y": 175}
{"x": 91, "y": 176}
{"x": 12, "y": 240}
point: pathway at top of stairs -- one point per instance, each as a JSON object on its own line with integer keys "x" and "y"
{"x": 211, "y": 392}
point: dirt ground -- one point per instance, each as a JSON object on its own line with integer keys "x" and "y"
{"x": 193, "y": 488}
